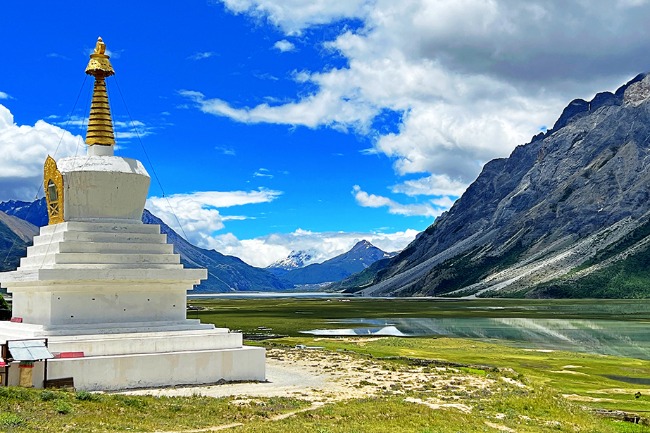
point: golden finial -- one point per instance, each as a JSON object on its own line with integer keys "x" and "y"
{"x": 100, "y": 124}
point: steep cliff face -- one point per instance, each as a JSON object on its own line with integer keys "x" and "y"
{"x": 554, "y": 205}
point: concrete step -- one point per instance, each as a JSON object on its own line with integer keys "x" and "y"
{"x": 99, "y": 259}
{"x": 153, "y": 238}
{"x": 71, "y": 226}
{"x": 99, "y": 248}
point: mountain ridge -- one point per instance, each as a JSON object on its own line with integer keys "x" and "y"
{"x": 533, "y": 218}
{"x": 362, "y": 255}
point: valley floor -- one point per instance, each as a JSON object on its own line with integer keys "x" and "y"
{"x": 362, "y": 384}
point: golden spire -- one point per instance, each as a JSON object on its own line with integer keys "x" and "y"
{"x": 100, "y": 124}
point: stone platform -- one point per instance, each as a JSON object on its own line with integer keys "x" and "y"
{"x": 110, "y": 297}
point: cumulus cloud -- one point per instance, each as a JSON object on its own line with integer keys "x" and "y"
{"x": 265, "y": 250}
{"x": 431, "y": 209}
{"x": 197, "y": 217}
{"x": 284, "y": 46}
{"x": 471, "y": 78}
{"x": 4, "y": 95}
{"x": 24, "y": 149}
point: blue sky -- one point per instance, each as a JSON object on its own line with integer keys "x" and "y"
{"x": 282, "y": 125}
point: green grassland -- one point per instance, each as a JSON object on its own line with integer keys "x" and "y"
{"x": 289, "y": 316}
{"x": 561, "y": 394}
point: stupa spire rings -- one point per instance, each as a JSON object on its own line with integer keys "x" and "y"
{"x": 100, "y": 123}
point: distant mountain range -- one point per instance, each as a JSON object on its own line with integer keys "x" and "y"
{"x": 19, "y": 223}
{"x": 362, "y": 255}
{"x": 566, "y": 215}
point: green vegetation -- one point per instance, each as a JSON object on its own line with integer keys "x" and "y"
{"x": 31, "y": 410}
{"x": 530, "y": 391}
{"x": 625, "y": 278}
{"x": 512, "y": 409}
{"x": 289, "y": 316}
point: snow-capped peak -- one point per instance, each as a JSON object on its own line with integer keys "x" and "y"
{"x": 295, "y": 260}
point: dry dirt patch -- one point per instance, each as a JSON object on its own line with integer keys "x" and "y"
{"x": 324, "y": 376}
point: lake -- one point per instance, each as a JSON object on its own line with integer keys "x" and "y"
{"x": 611, "y": 326}
{"x": 606, "y": 337}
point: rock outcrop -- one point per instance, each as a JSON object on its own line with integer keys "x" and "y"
{"x": 571, "y": 203}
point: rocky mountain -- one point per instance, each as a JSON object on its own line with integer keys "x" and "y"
{"x": 567, "y": 214}
{"x": 35, "y": 211}
{"x": 362, "y": 255}
{"x": 15, "y": 236}
{"x": 295, "y": 260}
{"x": 225, "y": 273}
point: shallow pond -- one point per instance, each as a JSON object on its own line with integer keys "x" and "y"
{"x": 607, "y": 337}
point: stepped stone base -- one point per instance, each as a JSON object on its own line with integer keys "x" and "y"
{"x": 140, "y": 359}
{"x": 110, "y": 297}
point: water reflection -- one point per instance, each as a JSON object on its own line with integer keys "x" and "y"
{"x": 607, "y": 337}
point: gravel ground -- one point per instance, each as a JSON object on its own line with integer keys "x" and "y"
{"x": 321, "y": 376}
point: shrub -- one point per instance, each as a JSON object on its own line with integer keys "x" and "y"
{"x": 47, "y": 395}
{"x": 86, "y": 396}
{"x": 10, "y": 420}
{"x": 62, "y": 407}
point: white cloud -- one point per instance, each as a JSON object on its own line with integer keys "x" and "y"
{"x": 284, "y": 46}
{"x": 227, "y": 151}
{"x": 197, "y": 215}
{"x": 263, "y": 172}
{"x": 57, "y": 56}
{"x": 294, "y": 15}
{"x": 431, "y": 185}
{"x": 471, "y": 78}
{"x": 268, "y": 249}
{"x": 313, "y": 111}
{"x": 24, "y": 149}
{"x": 431, "y": 209}
{"x": 4, "y": 95}
{"x": 201, "y": 55}
{"x": 200, "y": 218}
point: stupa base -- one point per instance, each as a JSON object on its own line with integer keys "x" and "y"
{"x": 112, "y": 362}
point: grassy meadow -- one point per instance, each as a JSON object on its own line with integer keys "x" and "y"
{"x": 532, "y": 391}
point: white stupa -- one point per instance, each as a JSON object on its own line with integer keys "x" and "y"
{"x": 106, "y": 290}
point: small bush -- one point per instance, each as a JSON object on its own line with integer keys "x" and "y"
{"x": 48, "y": 395}
{"x": 62, "y": 407}
{"x": 86, "y": 396}
{"x": 10, "y": 420}
{"x": 134, "y": 402}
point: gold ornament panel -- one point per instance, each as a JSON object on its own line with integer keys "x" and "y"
{"x": 53, "y": 187}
